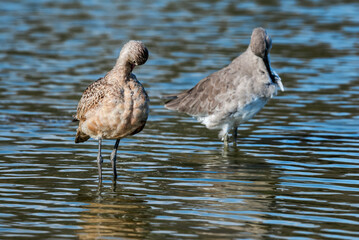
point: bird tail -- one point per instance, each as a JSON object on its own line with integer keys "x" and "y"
{"x": 74, "y": 118}
{"x": 174, "y": 101}
{"x": 81, "y": 137}
{"x": 172, "y": 104}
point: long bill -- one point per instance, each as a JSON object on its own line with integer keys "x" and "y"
{"x": 272, "y": 74}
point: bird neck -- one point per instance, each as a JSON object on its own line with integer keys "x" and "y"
{"x": 120, "y": 72}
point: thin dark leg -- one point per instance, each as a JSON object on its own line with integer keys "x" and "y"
{"x": 235, "y": 134}
{"x": 113, "y": 158}
{"x": 99, "y": 160}
{"x": 225, "y": 140}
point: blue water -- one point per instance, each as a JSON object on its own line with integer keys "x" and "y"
{"x": 293, "y": 175}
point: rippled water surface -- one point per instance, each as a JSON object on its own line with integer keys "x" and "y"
{"x": 294, "y": 174}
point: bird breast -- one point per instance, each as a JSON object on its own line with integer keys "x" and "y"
{"x": 121, "y": 113}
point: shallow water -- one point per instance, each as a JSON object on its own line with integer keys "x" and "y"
{"x": 294, "y": 174}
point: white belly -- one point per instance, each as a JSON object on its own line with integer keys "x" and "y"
{"x": 248, "y": 111}
{"x": 233, "y": 119}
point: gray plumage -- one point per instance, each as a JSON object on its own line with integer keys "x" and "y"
{"x": 234, "y": 94}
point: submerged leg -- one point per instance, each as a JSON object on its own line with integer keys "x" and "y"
{"x": 113, "y": 158}
{"x": 99, "y": 160}
{"x": 225, "y": 139}
{"x": 235, "y": 134}
{"x": 224, "y": 135}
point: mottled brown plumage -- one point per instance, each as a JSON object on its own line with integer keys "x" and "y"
{"x": 235, "y": 93}
{"x": 116, "y": 105}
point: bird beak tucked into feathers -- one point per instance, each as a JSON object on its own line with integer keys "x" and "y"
{"x": 272, "y": 74}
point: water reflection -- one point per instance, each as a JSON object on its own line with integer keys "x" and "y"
{"x": 187, "y": 201}
{"x": 114, "y": 215}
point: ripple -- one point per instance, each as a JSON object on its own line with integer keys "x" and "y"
{"x": 293, "y": 174}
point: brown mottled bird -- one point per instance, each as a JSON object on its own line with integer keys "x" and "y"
{"x": 234, "y": 94}
{"x": 116, "y": 105}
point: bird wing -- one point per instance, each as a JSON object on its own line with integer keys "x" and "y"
{"x": 90, "y": 99}
{"x": 204, "y": 98}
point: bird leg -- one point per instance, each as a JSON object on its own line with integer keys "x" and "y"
{"x": 225, "y": 139}
{"x": 224, "y": 134}
{"x": 235, "y": 134}
{"x": 113, "y": 158}
{"x": 99, "y": 160}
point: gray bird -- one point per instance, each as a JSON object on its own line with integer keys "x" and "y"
{"x": 234, "y": 94}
